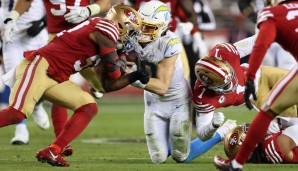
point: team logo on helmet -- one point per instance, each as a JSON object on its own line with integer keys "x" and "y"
{"x": 205, "y": 79}
{"x": 131, "y": 16}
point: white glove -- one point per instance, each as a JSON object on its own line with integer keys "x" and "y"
{"x": 77, "y": 14}
{"x": 184, "y": 28}
{"x": 198, "y": 44}
{"x": 10, "y": 25}
{"x": 218, "y": 119}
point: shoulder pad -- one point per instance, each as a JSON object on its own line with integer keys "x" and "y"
{"x": 263, "y": 15}
{"x": 108, "y": 28}
{"x": 173, "y": 46}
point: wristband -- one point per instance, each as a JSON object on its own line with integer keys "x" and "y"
{"x": 93, "y": 9}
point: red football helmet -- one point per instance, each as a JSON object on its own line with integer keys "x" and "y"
{"x": 218, "y": 75}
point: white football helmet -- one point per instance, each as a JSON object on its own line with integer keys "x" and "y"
{"x": 218, "y": 75}
{"x": 155, "y": 20}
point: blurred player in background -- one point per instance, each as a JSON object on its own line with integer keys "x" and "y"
{"x": 91, "y": 43}
{"x": 250, "y": 8}
{"x": 277, "y": 23}
{"x": 62, "y": 15}
{"x": 30, "y": 33}
{"x": 279, "y": 146}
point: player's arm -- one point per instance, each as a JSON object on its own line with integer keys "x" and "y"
{"x": 19, "y": 8}
{"x": 165, "y": 70}
{"x": 245, "y": 46}
{"x": 79, "y": 14}
{"x": 247, "y": 10}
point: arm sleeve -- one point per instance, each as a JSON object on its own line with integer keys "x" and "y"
{"x": 265, "y": 38}
{"x": 205, "y": 130}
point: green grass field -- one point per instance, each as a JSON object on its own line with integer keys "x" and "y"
{"x": 113, "y": 141}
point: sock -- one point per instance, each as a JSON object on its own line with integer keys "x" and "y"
{"x": 198, "y": 147}
{"x": 24, "y": 121}
{"x": 256, "y": 132}
{"x": 76, "y": 124}
{"x": 59, "y": 118}
{"x": 56, "y": 148}
{"x": 10, "y": 116}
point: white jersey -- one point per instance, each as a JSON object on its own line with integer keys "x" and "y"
{"x": 34, "y": 13}
{"x": 156, "y": 51}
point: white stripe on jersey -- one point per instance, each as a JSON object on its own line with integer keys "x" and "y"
{"x": 232, "y": 47}
{"x": 263, "y": 16}
{"x": 272, "y": 154}
{"x": 204, "y": 108}
{"x": 275, "y": 153}
{"x": 108, "y": 28}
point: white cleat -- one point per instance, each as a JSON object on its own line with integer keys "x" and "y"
{"x": 21, "y": 135}
{"x": 226, "y": 128}
{"x": 40, "y": 117}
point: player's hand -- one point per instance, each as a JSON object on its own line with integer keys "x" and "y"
{"x": 95, "y": 94}
{"x": 249, "y": 90}
{"x": 142, "y": 75}
{"x": 77, "y": 14}
{"x": 218, "y": 119}
{"x": 198, "y": 45}
{"x": 36, "y": 27}
{"x": 9, "y": 27}
{"x": 184, "y": 28}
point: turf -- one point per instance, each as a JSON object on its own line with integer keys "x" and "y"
{"x": 113, "y": 141}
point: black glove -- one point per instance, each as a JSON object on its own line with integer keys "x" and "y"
{"x": 141, "y": 75}
{"x": 249, "y": 89}
{"x": 37, "y": 27}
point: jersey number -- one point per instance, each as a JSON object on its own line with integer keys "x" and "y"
{"x": 62, "y": 6}
{"x": 292, "y": 15}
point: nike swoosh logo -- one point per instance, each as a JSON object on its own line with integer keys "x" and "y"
{"x": 172, "y": 53}
{"x": 178, "y": 106}
{"x": 53, "y": 156}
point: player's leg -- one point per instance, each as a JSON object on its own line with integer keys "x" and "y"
{"x": 84, "y": 107}
{"x": 279, "y": 100}
{"x": 156, "y": 129}
{"x": 180, "y": 129}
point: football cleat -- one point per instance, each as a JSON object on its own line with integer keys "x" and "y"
{"x": 40, "y": 117}
{"x": 67, "y": 151}
{"x": 21, "y": 135}
{"x": 224, "y": 165}
{"x": 49, "y": 155}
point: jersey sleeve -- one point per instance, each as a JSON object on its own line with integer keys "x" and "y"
{"x": 264, "y": 15}
{"x": 108, "y": 28}
{"x": 173, "y": 46}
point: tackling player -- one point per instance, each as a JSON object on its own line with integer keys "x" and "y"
{"x": 279, "y": 146}
{"x": 277, "y": 23}
{"x": 45, "y": 73}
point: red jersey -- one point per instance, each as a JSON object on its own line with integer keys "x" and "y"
{"x": 72, "y": 50}
{"x": 277, "y": 24}
{"x": 206, "y": 100}
{"x": 56, "y": 9}
{"x": 171, "y": 4}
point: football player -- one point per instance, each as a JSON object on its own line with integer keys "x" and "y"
{"x": 45, "y": 73}
{"x": 13, "y": 47}
{"x": 221, "y": 81}
{"x": 279, "y": 146}
{"x": 166, "y": 95}
{"x": 61, "y": 15}
{"x": 277, "y": 23}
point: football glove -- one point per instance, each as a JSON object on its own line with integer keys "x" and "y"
{"x": 37, "y": 27}
{"x": 95, "y": 93}
{"x": 185, "y": 28}
{"x": 198, "y": 45}
{"x": 141, "y": 75}
{"x": 218, "y": 119}
{"x": 10, "y": 25}
{"x": 77, "y": 14}
{"x": 249, "y": 90}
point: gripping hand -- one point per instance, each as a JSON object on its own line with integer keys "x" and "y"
{"x": 249, "y": 90}
{"x": 77, "y": 14}
{"x": 9, "y": 27}
{"x": 218, "y": 119}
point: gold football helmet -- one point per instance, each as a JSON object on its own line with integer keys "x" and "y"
{"x": 216, "y": 74}
{"x": 234, "y": 140}
{"x": 129, "y": 24}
